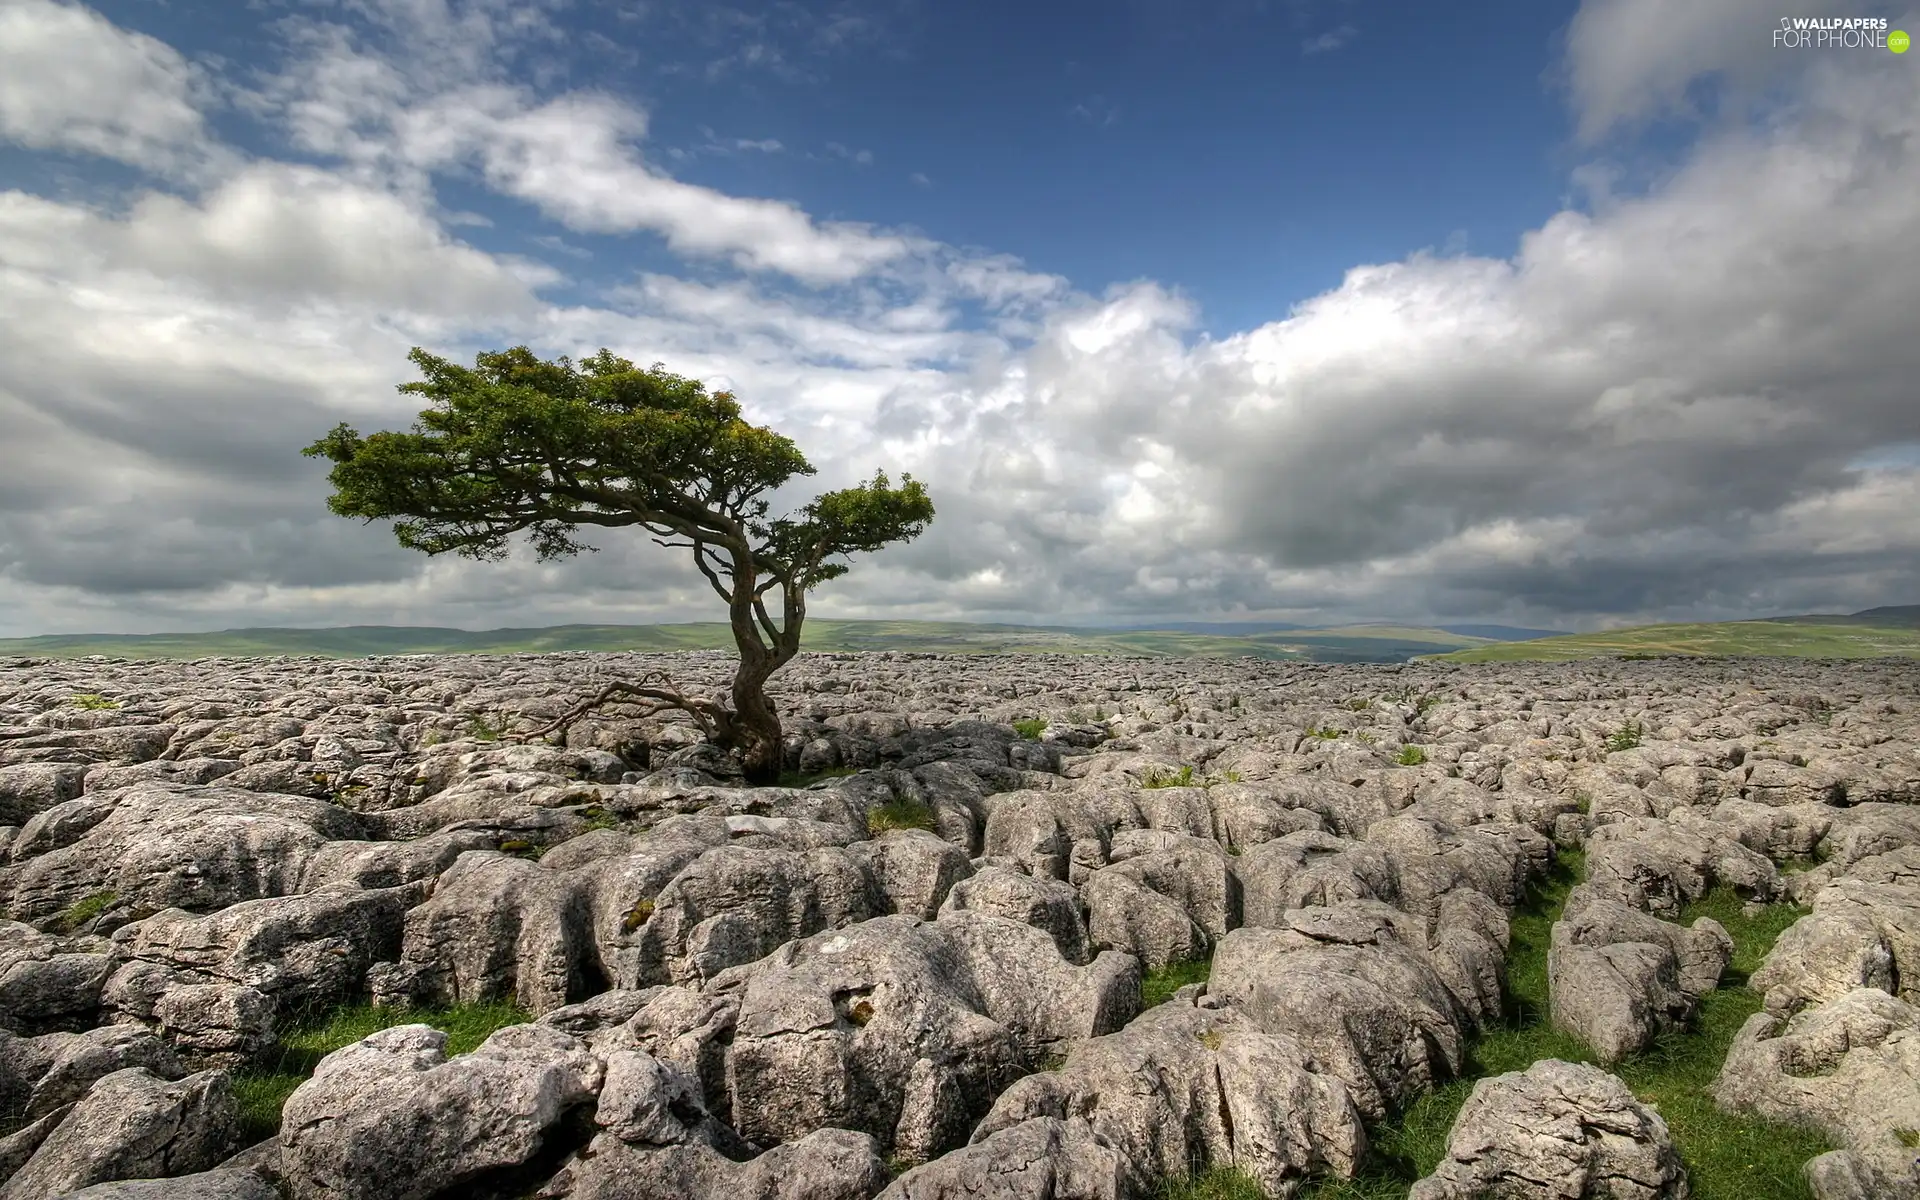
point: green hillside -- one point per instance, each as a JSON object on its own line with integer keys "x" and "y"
{"x": 1781, "y": 638}
{"x": 1364, "y": 643}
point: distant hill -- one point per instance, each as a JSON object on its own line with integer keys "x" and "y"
{"x": 1273, "y": 640}
{"x": 1876, "y": 633}
{"x": 1893, "y": 616}
{"x": 1503, "y": 633}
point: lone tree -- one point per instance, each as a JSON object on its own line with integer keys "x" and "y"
{"x": 516, "y": 444}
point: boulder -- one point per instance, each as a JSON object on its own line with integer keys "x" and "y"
{"x": 392, "y": 1118}
{"x": 1556, "y": 1131}
{"x": 132, "y": 1124}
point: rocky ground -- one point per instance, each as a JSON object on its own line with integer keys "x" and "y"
{"x": 918, "y": 973}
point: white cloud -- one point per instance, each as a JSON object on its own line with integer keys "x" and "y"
{"x": 71, "y": 80}
{"x": 1329, "y": 41}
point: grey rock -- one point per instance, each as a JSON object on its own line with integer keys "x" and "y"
{"x": 1556, "y": 1131}
{"x": 1042, "y": 1159}
{"x": 1353, "y": 984}
{"x": 1181, "y": 1086}
{"x": 28, "y": 789}
{"x": 133, "y": 1125}
{"x": 828, "y": 1164}
{"x": 392, "y": 1118}
{"x": 908, "y": 1029}
{"x": 1045, "y": 904}
{"x": 1619, "y": 977}
{"x": 1849, "y": 1068}
{"x": 200, "y": 1185}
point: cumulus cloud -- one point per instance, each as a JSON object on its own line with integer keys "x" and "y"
{"x": 71, "y": 80}
{"x": 1687, "y": 402}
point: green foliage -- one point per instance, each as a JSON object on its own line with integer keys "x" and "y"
{"x": 1411, "y": 756}
{"x": 83, "y": 910}
{"x": 1158, "y": 987}
{"x": 796, "y": 779}
{"x": 1358, "y": 704}
{"x": 516, "y": 445}
{"x": 1421, "y": 705}
{"x": 93, "y": 702}
{"x": 1214, "y": 1183}
{"x": 1325, "y": 733}
{"x": 1161, "y": 777}
{"x": 600, "y": 818}
{"x": 1626, "y": 737}
{"x": 638, "y": 915}
{"x": 900, "y": 814}
{"x": 522, "y": 848}
{"x": 264, "y": 1087}
{"x": 1031, "y": 728}
{"x": 480, "y": 729}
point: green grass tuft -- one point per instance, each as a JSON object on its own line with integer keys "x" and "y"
{"x": 900, "y": 814}
{"x": 92, "y": 702}
{"x": 263, "y": 1088}
{"x": 480, "y": 729}
{"x": 1626, "y": 737}
{"x": 1214, "y": 1183}
{"x": 1411, "y": 756}
{"x": 1031, "y": 728}
{"x": 1158, "y": 987}
{"x": 1158, "y": 777}
{"x": 83, "y": 910}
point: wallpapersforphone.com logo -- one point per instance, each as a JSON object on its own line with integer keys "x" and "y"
{"x": 1839, "y": 33}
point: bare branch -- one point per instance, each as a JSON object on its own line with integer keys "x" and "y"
{"x": 655, "y": 686}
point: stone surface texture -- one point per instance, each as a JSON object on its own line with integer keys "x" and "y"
{"x": 917, "y": 972}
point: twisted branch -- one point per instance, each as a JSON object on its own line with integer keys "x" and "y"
{"x": 662, "y": 694}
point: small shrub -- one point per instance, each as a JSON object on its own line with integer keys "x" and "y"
{"x": 1626, "y": 737}
{"x": 600, "y": 818}
{"x": 1411, "y": 756}
{"x": 636, "y": 916}
{"x": 1424, "y": 703}
{"x": 1359, "y": 704}
{"x": 1582, "y": 803}
{"x": 93, "y": 703}
{"x": 84, "y": 910}
{"x": 1227, "y": 776}
{"x": 900, "y": 814}
{"x": 1366, "y": 737}
{"x": 1160, "y": 777}
{"x": 1031, "y": 728}
{"x": 480, "y": 729}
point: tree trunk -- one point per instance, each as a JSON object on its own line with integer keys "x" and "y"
{"x": 756, "y": 723}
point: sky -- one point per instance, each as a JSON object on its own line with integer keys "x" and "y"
{"x": 1568, "y": 315}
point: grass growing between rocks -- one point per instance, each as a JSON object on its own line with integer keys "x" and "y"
{"x": 799, "y": 779}
{"x": 1728, "y": 1157}
{"x": 1158, "y": 987}
{"x": 901, "y": 814}
{"x": 263, "y": 1089}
